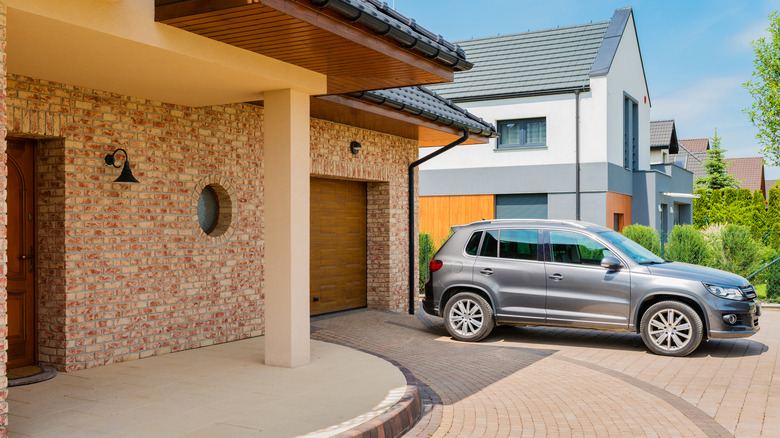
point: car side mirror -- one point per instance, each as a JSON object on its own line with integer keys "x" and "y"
{"x": 611, "y": 263}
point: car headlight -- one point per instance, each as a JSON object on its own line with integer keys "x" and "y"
{"x": 727, "y": 292}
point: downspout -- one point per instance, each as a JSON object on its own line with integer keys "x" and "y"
{"x": 412, "y": 263}
{"x": 577, "y": 152}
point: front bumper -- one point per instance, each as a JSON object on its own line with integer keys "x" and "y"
{"x": 746, "y": 325}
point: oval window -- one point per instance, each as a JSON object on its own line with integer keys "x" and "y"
{"x": 208, "y": 209}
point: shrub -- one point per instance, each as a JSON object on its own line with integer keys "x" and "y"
{"x": 701, "y": 209}
{"x": 686, "y": 244}
{"x": 427, "y": 250}
{"x": 645, "y": 236}
{"x": 772, "y": 278}
{"x": 737, "y": 251}
{"x": 773, "y": 240}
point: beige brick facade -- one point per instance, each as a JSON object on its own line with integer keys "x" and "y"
{"x": 3, "y": 233}
{"x": 124, "y": 270}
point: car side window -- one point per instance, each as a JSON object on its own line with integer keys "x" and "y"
{"x": 473, "y": 245}
{"x": 576, "y": 248}
{"x": 490, "y": 244}
{"x": 518, "y": 244}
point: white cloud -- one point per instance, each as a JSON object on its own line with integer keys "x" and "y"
{"x": 715, "y": 102}
{"x": 702, "y": 102}
{"x": 756, "y": 30}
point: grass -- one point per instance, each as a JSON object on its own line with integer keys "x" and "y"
{"x": 761, "y": 291}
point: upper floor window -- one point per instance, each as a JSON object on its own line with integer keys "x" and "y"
{"x": 630, "y": 134}
{"x": 522, "y": 133}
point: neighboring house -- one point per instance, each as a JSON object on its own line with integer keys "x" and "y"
{"x": 663, "y": 141}
{"x": 261, "y": 163}
{"x": 535, "y": 87}
{"x": 748, "y": 171}
{"x": 664, "y": 146}
{"x": 692, "y": 155}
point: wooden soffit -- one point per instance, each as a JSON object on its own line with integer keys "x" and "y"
{"x": 296, "y": 32}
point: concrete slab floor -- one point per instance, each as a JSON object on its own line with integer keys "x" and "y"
{"x": 221, "y": 390}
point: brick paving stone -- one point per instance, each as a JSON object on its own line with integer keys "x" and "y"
{"x": 542, "y": 381}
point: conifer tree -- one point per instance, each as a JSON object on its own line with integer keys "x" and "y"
{"x": 773, "y": 204}
{"x": 757, "y": 215}
{"x": 717, "y": 214}
{"x": 701, "y": 209}
{"x": 717, "y": 177}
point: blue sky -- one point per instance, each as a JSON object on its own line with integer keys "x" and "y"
{"x": 696, "y": 53}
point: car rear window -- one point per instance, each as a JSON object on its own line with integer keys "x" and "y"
{"x": 473, "y": 246}
{"x": 490, "y": 244}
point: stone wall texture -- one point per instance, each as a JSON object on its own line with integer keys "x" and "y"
{"x": 125, "y": 270}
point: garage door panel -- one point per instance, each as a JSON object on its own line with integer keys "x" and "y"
{"x": 338, "y": 245}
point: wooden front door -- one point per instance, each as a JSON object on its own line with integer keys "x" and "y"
{"x": 338, "y": 245}
{"x": 21, "y": 253}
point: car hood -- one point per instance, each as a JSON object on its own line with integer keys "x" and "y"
{"x": 698, "y": 273}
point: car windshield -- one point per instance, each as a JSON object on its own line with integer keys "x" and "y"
{"x": 632, "y": 249}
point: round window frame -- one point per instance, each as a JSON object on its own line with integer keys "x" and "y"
{"x": 227, "y": 214}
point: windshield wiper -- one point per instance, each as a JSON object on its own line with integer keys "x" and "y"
{"x": 653, "y": 262}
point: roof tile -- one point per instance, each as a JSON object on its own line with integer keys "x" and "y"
{"x": 749, "y": 171}
{"x": 696, "y": 144}
{"x": 527, "y": 63}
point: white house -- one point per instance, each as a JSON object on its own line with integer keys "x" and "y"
{"x": 573, "y": 110}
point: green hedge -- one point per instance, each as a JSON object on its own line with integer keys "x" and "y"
{"x": 645, "y": 236}
{"x": 687, "y": 244}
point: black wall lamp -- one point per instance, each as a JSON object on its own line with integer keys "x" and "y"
{"x": 127, "y": 175}
{"x": 354, "y": 147}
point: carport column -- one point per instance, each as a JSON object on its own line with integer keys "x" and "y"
{"x": 286, "y": 187}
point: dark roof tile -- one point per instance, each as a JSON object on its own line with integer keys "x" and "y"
{"x": 421, "y": 102}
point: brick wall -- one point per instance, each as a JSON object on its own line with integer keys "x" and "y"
{"x": 128, "y": 272}
{"x": 383, "y": 161}
{"x": 3, "y": 242}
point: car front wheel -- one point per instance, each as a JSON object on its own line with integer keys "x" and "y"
{"x": 671, "y": 328}
{"x": 468, "y": 317}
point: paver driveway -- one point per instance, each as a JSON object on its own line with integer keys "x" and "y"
{"x": 535, "y": 381}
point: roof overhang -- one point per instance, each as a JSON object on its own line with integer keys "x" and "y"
{"x": 116, "y": 46}
{"x": 320, "y": 36}
{"x": 350, "y": 111}
{"x": 681, "y": 195}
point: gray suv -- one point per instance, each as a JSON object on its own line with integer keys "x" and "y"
{"x": 576, "y": 274}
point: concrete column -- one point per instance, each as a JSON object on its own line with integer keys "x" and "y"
{"x": 286, "y": 216}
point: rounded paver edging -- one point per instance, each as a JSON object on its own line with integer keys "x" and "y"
{"x": 396, "y": 420}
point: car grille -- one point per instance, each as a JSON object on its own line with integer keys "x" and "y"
{"x": 749, "y": 292}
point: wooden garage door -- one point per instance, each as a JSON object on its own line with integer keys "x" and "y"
{"x": 338, "y": 245}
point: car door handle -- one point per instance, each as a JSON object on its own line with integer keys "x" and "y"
{"x": 486, "y": 271}
{"x": 556, "y": 277}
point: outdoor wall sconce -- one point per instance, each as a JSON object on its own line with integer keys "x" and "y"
{"x": 354, "y": 147}
{"x": 127, "y": 175}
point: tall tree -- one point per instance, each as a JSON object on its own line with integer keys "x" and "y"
{"x": 765, "y": 89}
{"x": 717, "y": 177}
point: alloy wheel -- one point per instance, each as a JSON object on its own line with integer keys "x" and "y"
{"x": 466, "y": 317}
{"x": 670, "y": 330}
